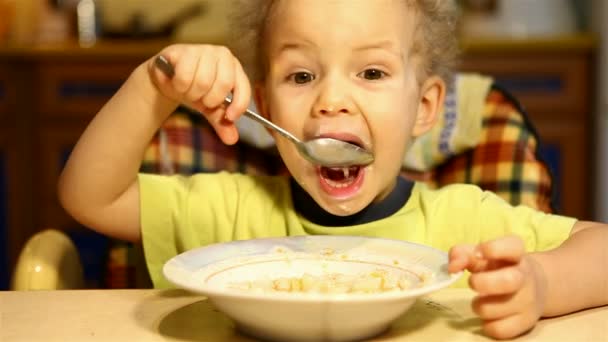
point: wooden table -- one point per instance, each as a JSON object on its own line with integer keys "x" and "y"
{"x": 175, "y": 315}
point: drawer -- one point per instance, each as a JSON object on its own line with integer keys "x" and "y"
{"x": 4, "y": 237}
{"x": 565, "y": 148}
{"x": 3, "y": 97}
{"x": 546, "y": 85}
{"x": 8, "y": 93}
{"x": 15, "y": 190}
{"x": 79, "y": 89}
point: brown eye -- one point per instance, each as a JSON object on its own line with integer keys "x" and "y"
{"x": 372, "y": 74}
{"x": 302, "y": 77}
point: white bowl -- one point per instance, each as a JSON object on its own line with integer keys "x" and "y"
{"x": 214, "y": 269}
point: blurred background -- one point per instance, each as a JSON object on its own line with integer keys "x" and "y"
{"x": 60, "y": 60}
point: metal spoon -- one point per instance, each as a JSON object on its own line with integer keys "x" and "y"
{"x": 327, "y": 152}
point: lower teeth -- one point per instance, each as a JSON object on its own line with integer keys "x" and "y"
{"x": 337, "y": 185}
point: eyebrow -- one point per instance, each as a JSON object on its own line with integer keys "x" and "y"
{"x": 381, "y": 45}
{"x": 386, "y": 45}
{"x": 290, "y": 45}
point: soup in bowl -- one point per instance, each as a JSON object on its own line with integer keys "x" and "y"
{"x": 312, "y": 288}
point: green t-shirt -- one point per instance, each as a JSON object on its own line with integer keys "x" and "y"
{"x": 180, "y": 213}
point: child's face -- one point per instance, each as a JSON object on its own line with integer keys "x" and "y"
{"x": 345, "y": 69}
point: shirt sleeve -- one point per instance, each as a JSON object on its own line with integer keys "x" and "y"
{"x": 161, "y": 203}
{"x": 540, "y": 231}
{"x": 459, "y": 213}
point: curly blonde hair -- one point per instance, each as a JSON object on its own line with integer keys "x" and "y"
{"x": 435, "y": 34}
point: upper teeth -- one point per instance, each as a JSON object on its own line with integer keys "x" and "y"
{"x": 345, "y": 170}
{"x": 347, "y": 181}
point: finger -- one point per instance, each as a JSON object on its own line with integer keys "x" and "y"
{"x": 185, "y": 69}
{"x": 501, "y": 281}
{"x": 459, "y": 257}
{"x": 224, "y": 80}
{"x": 229, "y": 134}
{"x": 495, "y": 307}
{"x": 241, "y": 94}
{"x": 509, "y": 249}
{"x": 225, "y": 129}
{"x": 466, "y": 257}
{"x": 204, "y": 76}
{"x": 509, "y": 327}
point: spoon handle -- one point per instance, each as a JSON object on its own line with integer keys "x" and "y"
{"x": 165, "y": 66}
{"x": 267, "y": 123}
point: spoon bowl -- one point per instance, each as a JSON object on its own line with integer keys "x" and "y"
{"x": 326, "y": 152}
{"x": 331, "y": 152}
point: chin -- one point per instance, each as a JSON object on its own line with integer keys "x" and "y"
{"x": 341, "y": 207}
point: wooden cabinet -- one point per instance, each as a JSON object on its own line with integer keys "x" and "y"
{"x": 15, "y": 190}
{"x": 48, "y": 95}
{"x": 4, "y": 202}
{"x": 15, "y": 195}
{"x": 71, "y": 93}
{"x": 3, "y": 193}
{"x": 553, "y": 80}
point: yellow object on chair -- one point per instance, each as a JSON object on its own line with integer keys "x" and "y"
{"x": 48, "y": 261}
{"x": 459, "y": 125}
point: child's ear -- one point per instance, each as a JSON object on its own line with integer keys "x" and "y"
{"x": 432, "y": 95}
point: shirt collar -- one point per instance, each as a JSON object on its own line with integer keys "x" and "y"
{"x": 306, "y": 206}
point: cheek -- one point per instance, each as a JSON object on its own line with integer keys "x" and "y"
{"x": 395, "y": 110}
{"x": 289, "y": 155}
{"x": 286, "y": 114}
{"x": 286, "y": 148}
{"x": 393, "y": 126}
{"x": 298, "y": 168}
{"x": 392, "y": 135}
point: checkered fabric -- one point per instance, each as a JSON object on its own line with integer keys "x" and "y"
{"x": 186, "y": 144}
{"x": 506, "y": 161}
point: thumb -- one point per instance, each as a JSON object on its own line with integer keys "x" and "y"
{"x": 466, "y": 257}
{"x": 508, "y": 249}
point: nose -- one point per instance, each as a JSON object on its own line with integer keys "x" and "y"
{"x": 333, "y": 98}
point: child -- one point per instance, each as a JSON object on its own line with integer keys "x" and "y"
{"x": 370, "y": 72}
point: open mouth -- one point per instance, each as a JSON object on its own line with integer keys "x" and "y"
{"x": 341, "y": 181}
{"x": 340, "y": 177}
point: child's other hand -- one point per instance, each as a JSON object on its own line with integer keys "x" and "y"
{"x": 510, "y": 284}
{"x": 204, "y": 76}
